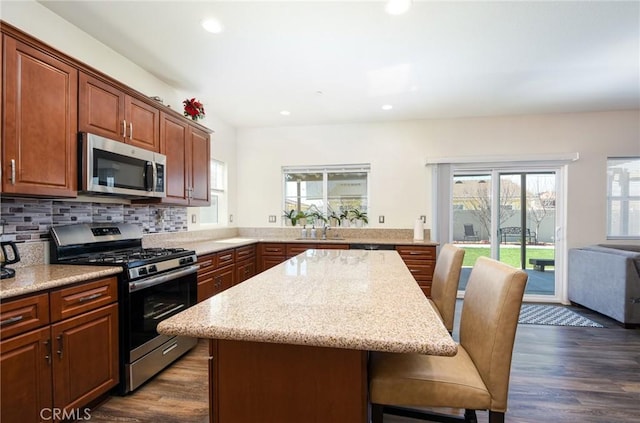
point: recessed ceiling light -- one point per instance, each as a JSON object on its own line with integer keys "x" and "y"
{"x": 387, "y": 107}
{"x": 212, "y": 25}
{"x": 285, "y": 113}
{"x": 397, "y": 7}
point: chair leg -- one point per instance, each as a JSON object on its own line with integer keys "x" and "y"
{"x": 377, "y": 411}
{"x": 470, "y": 416}
{"x": 496, "y": 417}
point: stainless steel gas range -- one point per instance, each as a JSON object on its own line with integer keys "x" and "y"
{"x": 155, "y": 284}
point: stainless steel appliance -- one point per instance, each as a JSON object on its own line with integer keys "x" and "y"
{"x": 114, "y": 168}
{"x": 9, "y": 256}
{"x": 155, "y": 284}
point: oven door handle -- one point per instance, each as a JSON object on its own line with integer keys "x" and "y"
{"x": 165, "y": 277}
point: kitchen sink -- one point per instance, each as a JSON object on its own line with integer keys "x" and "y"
{"x": 319, "y": 239}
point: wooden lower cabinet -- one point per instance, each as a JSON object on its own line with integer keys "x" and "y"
{"x": 59, "y": 368}
{"x": 85, "y": 358}
{"x": 421, "y": 261}
{"x": 217, "y": 272}
{"x": 270, "y": 254}
{"x": 26, "y": 377}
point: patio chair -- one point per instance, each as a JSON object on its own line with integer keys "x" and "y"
{"x": 470, "y": 234}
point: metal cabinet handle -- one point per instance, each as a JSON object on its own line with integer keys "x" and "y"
{"x": 13, "y": 172}
{"x": 11, "y": 320}
{"x": 131, "y": 130}
{"x": 47, "y": 357}
{"x": 124, "y": 129}
{"x": 60, "y": 345}
{"x": 89, "y": 297}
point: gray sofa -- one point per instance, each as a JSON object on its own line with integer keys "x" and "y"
{"x": 606, "y": 278}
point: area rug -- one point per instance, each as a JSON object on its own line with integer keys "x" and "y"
{"x": 534, "y": 314}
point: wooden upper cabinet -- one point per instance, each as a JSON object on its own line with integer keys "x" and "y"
{"x": 200, "y": 162}
{"x": 39, "y": 122}
{"x": 188, "y": 164}
{"x": 107, "y": 111}
{"x": 173, "y": 144}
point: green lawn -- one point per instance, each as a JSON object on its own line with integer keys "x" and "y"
{"x": 508, "y": 255}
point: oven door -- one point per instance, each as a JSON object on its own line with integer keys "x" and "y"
{"x": 154, "y": 299}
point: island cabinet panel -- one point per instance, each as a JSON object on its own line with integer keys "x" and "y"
{"x": 270, "y": 254}
{"x": 67, "y": 362}
{"x": 39, "y": 122}
{"x": 254, "y": 381}
{"x": 107, "y": 111}
{"x": 421, "y": 261}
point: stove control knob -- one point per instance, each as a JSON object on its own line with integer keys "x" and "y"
{"x": 153, "y": 268}
{"x": 182, "y": 261}
{"x": 142, "y": 271}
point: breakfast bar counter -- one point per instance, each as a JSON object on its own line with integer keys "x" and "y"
{"x": 291, "y": 343}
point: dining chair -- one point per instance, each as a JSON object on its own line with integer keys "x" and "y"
{"x": 444, "y": 286}
{"x": 477, "y": 377}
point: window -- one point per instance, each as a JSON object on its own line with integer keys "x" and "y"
{"x": 215, "y": 212}
{"x": 623, "y": 198}
{"x": 329, "y": 190}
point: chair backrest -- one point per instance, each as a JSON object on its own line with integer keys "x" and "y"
{"x": 488, "y": 323}
{"x": 444, "y": 286}
{"x": 468, "y": 230}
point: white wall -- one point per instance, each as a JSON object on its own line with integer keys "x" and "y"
{"x": 39, "y": 22}
{"x": 400, "y": 183}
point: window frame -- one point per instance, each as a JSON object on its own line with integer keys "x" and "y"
{"x": 624, "y": 199}
{"x": 325, "y": 170}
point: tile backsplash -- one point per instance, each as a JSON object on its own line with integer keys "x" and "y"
{"x": 29, "y": 219}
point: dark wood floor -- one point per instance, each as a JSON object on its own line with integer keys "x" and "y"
{"x": 559, "y": 375}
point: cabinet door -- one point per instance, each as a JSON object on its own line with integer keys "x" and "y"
{"x": 101, "y": 109}
{"x": 39, "y": 122}
{"x": 173, "y": 139}
{"x": 245, "y": 270}
{"x": 199, "y": 168}
{"x": 25, "y": 375}
{"x": 143, "y": 124}
{"x": 224, "y": 278}
{"x": 85, "y": 359}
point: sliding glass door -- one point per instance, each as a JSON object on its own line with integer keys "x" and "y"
{"x": 509, "y": 216}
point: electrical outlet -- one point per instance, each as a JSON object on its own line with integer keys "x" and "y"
{"x": 193, "y": 218}
{"x": 272, "y": 218}
{"x": 230, "y": 218}
{"x": 380, "y": 219}
{"x": 423, "y": 218}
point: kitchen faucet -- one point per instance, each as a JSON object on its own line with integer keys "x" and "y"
{"x": 324, "y": 231}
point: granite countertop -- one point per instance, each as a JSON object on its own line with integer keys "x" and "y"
{"x": 31, "y": 279}
{"x": 355, "y": 299}
{"x": 215, "y": 245}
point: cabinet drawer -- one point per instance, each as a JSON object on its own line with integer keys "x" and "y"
{"x": 422, "y": 272}
{"x": 225, "y": 257}
{"x": 324, "y": 246}
{"x": 272, "y": 249}
{"x": 68, "y": 302}
{"x": 416, "y": 252}
{"x": 295, "y": 249}
{"x": 207, "y": 263}
{"x": 243, "y": 253}
{"x": 19, "y": 316}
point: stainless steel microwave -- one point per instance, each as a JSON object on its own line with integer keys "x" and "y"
{"x": 114, "y": 168}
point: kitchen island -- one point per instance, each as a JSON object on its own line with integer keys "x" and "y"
{"x": 291, "y": 343}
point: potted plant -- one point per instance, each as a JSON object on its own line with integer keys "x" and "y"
{"x": 334, "y": 219}
{"x": 295, "y": 217}
{"x": 344, "y": 218}
{"x": 360, "y": 217}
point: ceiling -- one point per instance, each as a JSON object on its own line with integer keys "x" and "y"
{"x": 332, "y": 62}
